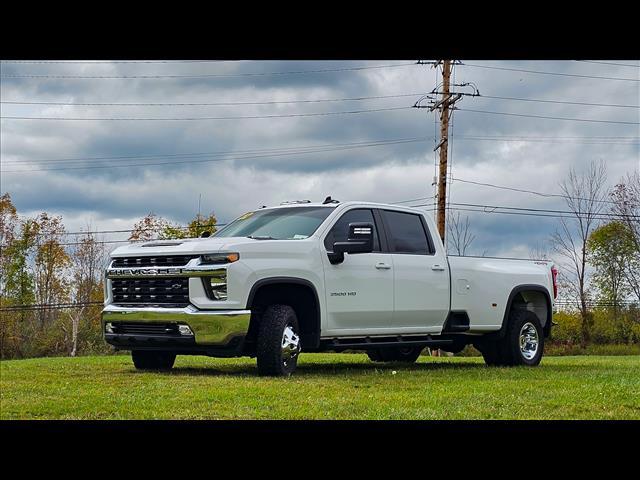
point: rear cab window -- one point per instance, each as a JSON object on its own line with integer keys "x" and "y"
{"x": 406, "y": 233}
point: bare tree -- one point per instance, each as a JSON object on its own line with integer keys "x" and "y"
{"x": 626, "y": 198}
{"x": 539, "y": 251}
{"x": 459, "y": 236}
{"x": 86, "y": 266}
{"x": 585, "y": 194}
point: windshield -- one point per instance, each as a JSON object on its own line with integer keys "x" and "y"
{"x": 292, "y": 223}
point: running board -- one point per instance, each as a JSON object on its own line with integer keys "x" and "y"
{"x": 365, "y": 343}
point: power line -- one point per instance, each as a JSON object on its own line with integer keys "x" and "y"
{"x": 352, "y": 99}
{"x": 559, "y": 102}
{"x": 49, "y": 306}
{"x": 610, "y": 63}
{"x": 526, "y": 214}
{"x": 550, "y": 73}
{"x": 267, "y": 155}
{"x": 547, "y": 210}
{"x": 629, "y": 140}
{"x": 513, "y": 189}
{"x": 241, "y": 117}
{"x": 98, "y": 62}
{"x": 279, "y": 102}
{"x": 550, "y": 118}
{"x": 558, "y": 140}
{"x": 211, "y": 75}
{"x": 219, "y": 153}
{"x": 96, "y": 232}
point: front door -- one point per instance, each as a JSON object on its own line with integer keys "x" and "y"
{"x": 359, "y": 291}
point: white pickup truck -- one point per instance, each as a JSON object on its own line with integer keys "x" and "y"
{"x": 311, "y": 277}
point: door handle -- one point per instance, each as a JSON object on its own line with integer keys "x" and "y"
{"x": 438, "y": 268}
{"x": 383, "y": 266}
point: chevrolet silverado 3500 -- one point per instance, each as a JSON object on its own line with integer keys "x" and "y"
{"x": 316, "y": 277}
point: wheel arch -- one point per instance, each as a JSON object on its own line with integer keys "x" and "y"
{"x": 299, "y": 293}
{"x": 535, "y": 298}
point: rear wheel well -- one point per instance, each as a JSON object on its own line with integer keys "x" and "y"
{"x": 534, "y": 300}
{"x": 299, "y": 295}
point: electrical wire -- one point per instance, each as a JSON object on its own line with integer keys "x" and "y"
{"x": 610, "y": 63}
{"x": 279, "y": 102}
{"x": 239, "y": 117}
{"x": 533, "y": 192}
{"x": 562, "y": 102}
{"x": 550, "y": 118}
{"x": 222, "y": 153}
{"x": 210, "y": 75}
{"x": 246, "y": 157}
{"x": 550, "y": 73}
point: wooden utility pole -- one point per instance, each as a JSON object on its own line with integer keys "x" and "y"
{"x": 446, "y": 104}
{"x": 444, "y": 140}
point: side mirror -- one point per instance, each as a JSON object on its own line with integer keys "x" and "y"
{"x": 360, "y": 240}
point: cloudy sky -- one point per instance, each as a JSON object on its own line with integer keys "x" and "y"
{"x": 160, "y": 156}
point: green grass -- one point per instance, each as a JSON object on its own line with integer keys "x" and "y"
{"x": 325, "y": 386}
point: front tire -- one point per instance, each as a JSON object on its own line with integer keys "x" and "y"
{"x": 395, "y": 354}
{"x": 279, "y": 342}
{"x": 151, "y": 360}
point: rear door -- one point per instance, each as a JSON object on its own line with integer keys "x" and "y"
{"x": 359, "y": 291}
{"x": 421, "y": 274}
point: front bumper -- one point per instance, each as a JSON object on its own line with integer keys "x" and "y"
{"x": 212, "y": 329}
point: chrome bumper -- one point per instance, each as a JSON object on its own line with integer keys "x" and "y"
{"x": 210, "y": 327}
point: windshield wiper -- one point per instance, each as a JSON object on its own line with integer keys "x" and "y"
{"x": 260, "y": 237}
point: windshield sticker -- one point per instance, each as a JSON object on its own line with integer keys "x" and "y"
{"x": 300, "y": 237}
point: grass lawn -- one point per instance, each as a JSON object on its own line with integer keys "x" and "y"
{"x": 325, "y": 386}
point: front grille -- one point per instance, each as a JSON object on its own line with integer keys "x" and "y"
{"x": 164, "y": 261}
{"x": 164, "y": 291}
{"x": 155, "y": 329}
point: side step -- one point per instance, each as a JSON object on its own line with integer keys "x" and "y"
{"x": 365, "y": 343}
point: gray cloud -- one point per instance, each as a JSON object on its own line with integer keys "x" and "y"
{"x": 115, "y": 197}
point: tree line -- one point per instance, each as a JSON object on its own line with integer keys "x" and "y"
{"x": 51, "y": 290}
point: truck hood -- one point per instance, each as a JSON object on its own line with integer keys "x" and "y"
{"x": 181, "y": 247}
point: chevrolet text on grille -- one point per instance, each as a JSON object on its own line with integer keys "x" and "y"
{"x": 145, "y": 271}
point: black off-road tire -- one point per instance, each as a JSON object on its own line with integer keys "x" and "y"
{"x": 152, "y": 360}
{"x": 506, "y": 351}
{"x": 269, "y": 348}
{"x": 395, "y": 354}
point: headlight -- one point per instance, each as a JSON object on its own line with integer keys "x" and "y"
{"x": 219, "y": 258}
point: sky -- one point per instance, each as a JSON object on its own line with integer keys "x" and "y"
{"x": 130, "y": 160}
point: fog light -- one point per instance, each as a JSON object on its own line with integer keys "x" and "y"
{"x": 185, "y": 330}
{"x": 219, "y": 287}
{"x": 108, "y": 327}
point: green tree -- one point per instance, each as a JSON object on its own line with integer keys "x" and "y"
{"x": 154, "y": 227}
{"x": 611, "y": 249}
{"x": 51, "y": 264}
{"x": 150, "y": 227}
{"x": 17, "y": 289}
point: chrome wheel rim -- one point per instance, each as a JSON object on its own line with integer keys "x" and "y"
{"x": 528, "y": 341}
{"x": 290, "y": 345}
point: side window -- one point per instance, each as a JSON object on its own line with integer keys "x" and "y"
{"x": 405, "y": 233}
{"x": 340, "y": 230}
